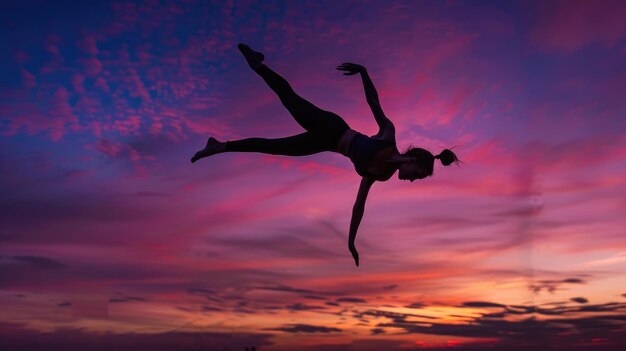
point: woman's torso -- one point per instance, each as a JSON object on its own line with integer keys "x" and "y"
{"x": 368, "y": 154}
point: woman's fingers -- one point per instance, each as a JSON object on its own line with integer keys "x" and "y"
{"x": 350, "y": 70}
{"x": 348, "y": 65}
{"x": 355, "y": 255}
{"x": 349, "y": 73}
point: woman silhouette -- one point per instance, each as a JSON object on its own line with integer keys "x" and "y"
{"x": 375, "y": 158}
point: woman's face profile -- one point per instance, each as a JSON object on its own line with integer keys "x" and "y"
{"x": 411, "y": 171}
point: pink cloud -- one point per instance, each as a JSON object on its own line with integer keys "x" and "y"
{"x": 144, "y": 56}
{"x": 23, "y": 116}
{"x": 436, "y": 107}
{"x": 20, "y": 56}
{"x": 487, "y": 152}
{"x": 138, "y": 87}
{"x": 92, "y": 66}
{"x": 203, "y": 126}
{"x": 78, "y": 81}
{"x": 61, "y": 114}
{"x": 128, "y": 125}
{"x": 449, "y": 48}
{"x": 119, "y": 150}
{"x": 309, "y": 167}
{"x": 88, "y": 107}
{"x": 53, "y": 41}
{"x": 28, "y": 79}
{"x": 572, "y": 154}
{"x": 101, "y": 83}
{"x": 156, "y": 126}
{"x": 96, "y": 128}
{"x": 109, "y": 147}
{"x": 566, "y": 26}
{"x": 88, "y": 44}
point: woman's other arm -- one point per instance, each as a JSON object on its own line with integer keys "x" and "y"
{"x": 357, "y": 215}
{"x": 386, "y": 129}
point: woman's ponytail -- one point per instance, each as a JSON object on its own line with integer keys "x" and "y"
{"x": 447, "y": 157}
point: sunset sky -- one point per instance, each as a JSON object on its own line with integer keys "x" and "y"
{"x": 111, "y": 239}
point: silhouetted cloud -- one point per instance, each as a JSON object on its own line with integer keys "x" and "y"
{"x": 305, "y": 292}
{"x": 126, "y": 299}
{"x": 606, "y": 307}
{"x": 377, "y": 331}
{"x": 315, "y": 297}
{"x": 350, "y": 299}
{"x": 416, "y": 305}
{"x": 395, "y": 316}
{"x": 481, "y": 304}
{"x": 198, "y": 291}
{"x": 15, "y": 337}
{"x": 285, "y": 288}
{"x": 579, "y": 299}
{"x": 575, "y": 320}
{"x": 527, "y": 329}
{"x": 552, "y": 285}
{"x": 303, "y": 307}
{"x": 211, "y": 309}
{"x": 305, "y": 328}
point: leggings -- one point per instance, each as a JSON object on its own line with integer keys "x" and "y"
{"x": 323, "y": 128}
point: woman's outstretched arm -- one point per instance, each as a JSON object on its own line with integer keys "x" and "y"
{"x": 357, "y": 214}
{"x": 386, "y": 127}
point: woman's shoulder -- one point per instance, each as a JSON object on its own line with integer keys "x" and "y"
{"x": 387, "y": 139}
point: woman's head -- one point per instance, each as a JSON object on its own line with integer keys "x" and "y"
{"x": 422, "y": 162}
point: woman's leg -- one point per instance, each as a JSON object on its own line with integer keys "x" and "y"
{"x": 298, "y": 145}
{"x": 323, "y": 128}
{"x": 309, "y": 116}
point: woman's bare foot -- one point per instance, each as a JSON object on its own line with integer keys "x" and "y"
{"x": 254, "y": 58}
{"x": 212, "y": 147}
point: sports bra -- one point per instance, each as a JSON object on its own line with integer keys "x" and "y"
{"x": 361, "y": 151}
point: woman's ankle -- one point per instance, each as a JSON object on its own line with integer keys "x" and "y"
{"x": 257, "y": 66}
{"x": 254, "y": 58}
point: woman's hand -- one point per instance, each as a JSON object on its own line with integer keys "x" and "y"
{"x": 351, "y": 68}
{"x": 355, "y": 254}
